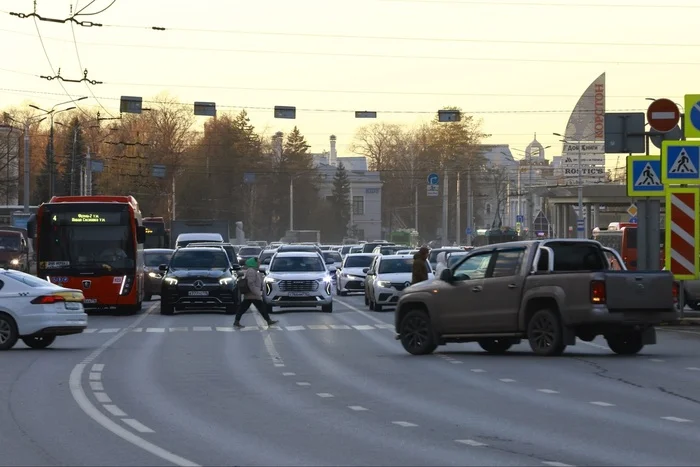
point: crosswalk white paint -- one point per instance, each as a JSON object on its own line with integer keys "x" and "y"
{"x": 308, "y": 327}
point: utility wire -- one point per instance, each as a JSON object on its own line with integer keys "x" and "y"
{"x": 659, "y": 5}
{"x": 84, "y": 79}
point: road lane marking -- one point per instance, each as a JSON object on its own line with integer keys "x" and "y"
{"x": 656, "y": 360}
{"x": 340, "y": 326}
{"x": 155, "y": 329}
{"x": 269, "y": 345}
{"x": 114, "y": 410}
{"x": 548, "y": 391}
{"x": 363, "y": 313}
{"x": 109, "y": 330}
{"x": 384, "y": 326}
{"x": 317, "y": 326}
{"x": 223, "y": 329}
{"x": 507, "y": 380}
{"x": 364, "y": 327}
{"x": 592, "y": 344}
{"x": 94, "y": 376}
{"x": 179, "y": 329}
{"x": 678, "y": 420}
{"x": 288, "y": 373}
{"x": 556, "y": 464}
{"x": 357, "y": 408}
{"x": 102, "y": 397}
{"x": 303, "y": 383}
{"x": 98, "y": 367}
{"x": 602, "y": 404}
{"x": 324, "y": 395}
{"x": 693, "y": 368}
{"x": 456, "y": 362}
{"x": 96, "y": 386}
{"x": 78, "y": 393}
{"x": 477, "y": 370}
{"x": 89, "y": 330}
{"x": 404, "y": 424}
{"x": 294, "y": 328}
{"x": 137, "y": 330}
{"x": 279, "y": 365}
{"x": 136, "y": 425}
{"x": 470, "y": 442}
{"x": 201, "y": 328}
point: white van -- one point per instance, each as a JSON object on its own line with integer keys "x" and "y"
{"x": 187, "y": 238}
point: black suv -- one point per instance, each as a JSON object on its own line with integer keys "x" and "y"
{"x": 201, "y": 278}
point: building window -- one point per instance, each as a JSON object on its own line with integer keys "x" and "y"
{"x": 358, "y": 205}
{"x": 488, "y": 208}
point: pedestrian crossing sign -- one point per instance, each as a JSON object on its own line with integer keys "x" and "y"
{"x": 680, "y": 161}
{"x": 644, "y": 176}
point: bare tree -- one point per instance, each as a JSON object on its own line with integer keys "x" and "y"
{"x": 497, "y": 178}
{"x": 379, "y": 143}
{"x": 9, "y": 164}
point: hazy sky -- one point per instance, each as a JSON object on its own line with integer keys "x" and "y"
{"x": 518, "y": 65}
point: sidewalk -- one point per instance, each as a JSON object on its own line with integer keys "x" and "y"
{"x": 690, "y": 318}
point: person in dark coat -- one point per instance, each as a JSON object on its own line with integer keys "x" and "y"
{"x": 420, "y": 266}
{"x": 253, "y": 296}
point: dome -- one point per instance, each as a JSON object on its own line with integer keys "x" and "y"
{"x": 535, "y": 149}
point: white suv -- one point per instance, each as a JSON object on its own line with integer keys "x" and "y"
{"x": 298, "y": 279}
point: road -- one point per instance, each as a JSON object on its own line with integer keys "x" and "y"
{"x": 337, "y": 389}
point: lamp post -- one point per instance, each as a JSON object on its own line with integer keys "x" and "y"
{"x": 51, "y": 113}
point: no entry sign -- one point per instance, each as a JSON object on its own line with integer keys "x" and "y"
{"x": 663, "y": 115}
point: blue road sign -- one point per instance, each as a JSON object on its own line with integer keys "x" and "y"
{"x": 433, "y": 179}
{"x": 248, "y": 177}
{"x": 633, "y": 219}
{"x": 695, "y": 116}
{"x": 644, "y": 176}
{"x": 580, "y": 223}
{"x": 468, "y": 231}
{"x": 680, "y": 161}
{"x": 692, "y": 116}
{"x": 519, "y": 218}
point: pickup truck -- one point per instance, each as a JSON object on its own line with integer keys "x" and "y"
{"x": 549, "y": 292}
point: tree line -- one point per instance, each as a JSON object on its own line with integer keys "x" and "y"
{"x": 231, "y": 170}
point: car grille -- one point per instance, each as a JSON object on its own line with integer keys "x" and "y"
{"x": 399, "y": 285}
{"x": 298, "y": 286}
{"x": 192, "y": 280}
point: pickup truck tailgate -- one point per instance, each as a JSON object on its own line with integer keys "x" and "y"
{"x": 639, "y": 290}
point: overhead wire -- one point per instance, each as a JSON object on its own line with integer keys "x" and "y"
{"x": 659, "y": 5}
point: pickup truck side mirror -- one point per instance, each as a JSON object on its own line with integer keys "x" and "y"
{"x": 446, "y": 275}
{"x": 163, "y": 267}
{"x": 365, "y": 270}
{"x": 235, "y": 267}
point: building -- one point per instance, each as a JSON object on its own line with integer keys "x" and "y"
{"x": 9, "y": 165}
{"x": 365, "y": 191}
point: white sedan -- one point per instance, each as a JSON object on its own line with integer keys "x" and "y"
{"x": 387, "y": 277}
{"x": 37, "y": 311}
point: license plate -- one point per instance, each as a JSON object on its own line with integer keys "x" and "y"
{"x": 298, "y": 294}
{"x": 198, "y": 293}
{"x": 90, "y": 300}
{"x": 73, "y": 306}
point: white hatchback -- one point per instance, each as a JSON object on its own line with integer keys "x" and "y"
{"x": 37, "y": 311}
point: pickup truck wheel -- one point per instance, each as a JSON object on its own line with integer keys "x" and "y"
{"x": 38, "y": 342}
{"x": 629, "y": 343}
{"x": 694, "y": 304}
{"x": 495, "y": 346}
{"x": 545, "y": 334}
{"x": 416, "y": 333}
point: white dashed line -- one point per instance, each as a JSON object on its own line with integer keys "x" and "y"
{"x": 317, "y": 326}
{"x": 137, "y": 330}
{"x": 592, "y": 344}
{"x": 548, "y": 391}
{"x": 676, "y": 419}
{"x": 202, "y": 328}
{"x": 357, "y": 408}
{"x": 324, "y": 395}
{"x": 274, "y": 328}
{"x": 279, "y": 365}
{"x": 478, "y": 370}
{"x": 288, "y": 373}
{"x": 114, "y": 410}
{"x": 102, "y": 397}
{"x": 89, "y": 331}
{"x": 456, "y": 362}
{"x": 507, "y": 380}
{"x": 179, "y": 329}
{"x": 94, "y": 376}
{"x": 294, "y": 328}
{"x": 693, "y": 368}
{"x": 303, "y": 383}
{"x": 96, "y": 386}
{"x": 656, "y": 360}
{"x": 340, "y": 326}
{"x": 155, "y": 329}
{"x": 364, "y": 327}
{"x": 556, "y": 464}
{"x": 404, "y": 424}
{"x": 98, "y": 367}
{"x": 109, "y": 330}
{"x": 470, "y": 442}
{"x": 251, "y": 328}
{"x": 384, "y": 326}
{"x": 222, "y": 329}
{"x": 603, "y": 404}
{"x": 136, "y": 425}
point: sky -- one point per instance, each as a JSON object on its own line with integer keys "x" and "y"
{"x": 519, "y": 66}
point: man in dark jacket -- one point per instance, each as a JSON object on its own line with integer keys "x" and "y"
{"x": 420, "y": 265}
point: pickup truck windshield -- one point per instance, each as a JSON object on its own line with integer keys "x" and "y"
{"x": 573, "y": 256}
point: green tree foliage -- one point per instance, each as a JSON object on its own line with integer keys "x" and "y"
{"x": 340, "y": 204}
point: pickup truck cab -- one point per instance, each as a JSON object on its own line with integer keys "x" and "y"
{"x": 547, "y": 291}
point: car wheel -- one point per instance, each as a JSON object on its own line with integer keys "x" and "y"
{"x": 38, "y": 342}
{"x": 495, "y": 346}
{"x": 416, "y": 333}
{"x": 378, "y": 307}
{"x": 628, "y": 343}
{"x": 327, "y": 308}
{"x": 8, "y": 332}
{"x": 166, "y": 309}
{"x": 545, "y": 334}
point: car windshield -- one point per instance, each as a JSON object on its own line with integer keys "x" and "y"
{"x": 358, "y": 261}
{"x": 356, "y": 249}
{"x": 394, "y": 266}
{"x": 266, "y": 255}
{"x": 198, "y": 258}
{"x": 454, "y": 259}
{"x": 155, "y": 259}
{"x": 9, "y": 243}
{"x": 434, "y": 254}
{"x": 297, "y": 264}
{"x": 332, "y": 255}
{"x": 26, "y": 279}
{"x": 249, "y": 251}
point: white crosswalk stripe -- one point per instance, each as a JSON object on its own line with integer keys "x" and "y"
{"x": 308, "y": 327}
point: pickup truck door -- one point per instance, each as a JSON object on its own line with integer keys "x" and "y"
{"x": 502, "y": 292}
{"x": 463, "y": 303}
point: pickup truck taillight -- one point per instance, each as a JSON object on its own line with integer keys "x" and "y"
{"x": 597, "y": 292}
{"x": 676, "y": 292}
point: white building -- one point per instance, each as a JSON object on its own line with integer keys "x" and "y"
{"x": 365, "y": 190}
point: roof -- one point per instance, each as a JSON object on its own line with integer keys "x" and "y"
{"x": 158, "y": 250}
{"x": 361, "y": 254}
{"x": 203, "y": 235}
{"x": 383, "y": 257}
{"x": 303, "y": 254}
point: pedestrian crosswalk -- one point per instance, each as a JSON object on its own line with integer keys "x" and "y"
{"x": 277, "y": 328}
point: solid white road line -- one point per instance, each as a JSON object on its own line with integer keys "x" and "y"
{"x": 363, "y": 313}
{"x": 76, "y": 389}
{"x": 364, "y": 327}
{"x": 269, "y": 345}
{"x": 556, "y": 464}
{"x": 693, "y": 368}
{"x": 136, "y": 425}
{"x": 470, "y": 442}
{"x": 404, "y": 424}
{"x": 676, "y": 419}
{"x": 114, "y": 410}
{"x": 603, "y": 404}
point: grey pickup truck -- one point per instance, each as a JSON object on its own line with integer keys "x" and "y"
{"x": 547, "y": 291}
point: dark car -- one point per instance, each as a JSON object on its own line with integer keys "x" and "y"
{"x": 230, "y": 249}
{"x": 199, "y": 278}
{"x": 369, "y": 247}
{"x": 247, "y": 252}
{"x": 153, "y": 258}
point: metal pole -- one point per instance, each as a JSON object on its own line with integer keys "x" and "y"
{"x": 51, "y": 159}
{"x": 458, "y": 220}
{"x": 88, "y": 173}
{"x": 445, "y": 193}
{"x": 470, "y": 212}
{"x": 26, "y": 166}
{"x": 530, "y": 200}
{"x": 291, "y": 203}
{"x": 173, "y": 195}
{"x": 72, "y": 162}
{"x": 579, "y": 232}
{"x": 415, "y": 206}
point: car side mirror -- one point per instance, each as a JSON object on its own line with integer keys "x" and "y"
{"x": 446, "y": 275}
{"x": 163, "y": 267}
{"x": 365, "y": 270}
{"x": 235, "y": 267}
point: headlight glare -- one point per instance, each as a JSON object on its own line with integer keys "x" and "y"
{"x": 225, "y": 280}
{"x": 171, "y": 281}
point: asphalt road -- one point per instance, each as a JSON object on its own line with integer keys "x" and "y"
{"x": 337, "y": 389}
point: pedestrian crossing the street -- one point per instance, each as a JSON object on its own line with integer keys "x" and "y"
{"x": 231, "y": 329}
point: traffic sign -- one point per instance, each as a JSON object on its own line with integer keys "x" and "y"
{"x": 468, "y": 231}
{"x": 644, "y": 176}
{"x": 634, "y": 219}
{"x": 692, "y": 116}
{"x": 433, "y": 179}
{"x": 580, "y": 225}
{"x": 632, "y": 210}
{"x": 679, "y": 162}
{"x": 663, "y": 115}
{"x": 519, "y": 218}
{"x": 683, "y": 232}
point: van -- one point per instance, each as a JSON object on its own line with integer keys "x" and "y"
{"x": 14, "y": 250}
{"x": 187, "y": 238}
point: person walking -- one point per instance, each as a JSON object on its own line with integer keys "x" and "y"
{"x": 253, "y": 294}
{"x": 420, "y": 266}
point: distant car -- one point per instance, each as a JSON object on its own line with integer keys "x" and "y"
{"x": 333, "y": 260}
{"x": 153, "y": 258}
{"x": 247, "y": 252}
{"x": 199, "y": 278}
{"x": 387, "y": 277}
{"x": 298, "y": 279}
{"x": 186, "y": 238}
{"x": 265, "y": 258}
{"x": 388, "y": 249}
{"x": 299, "y": 248}
{"x": 37, "y": 311}
{"x": 356, "y": 249}
{"x": 345, "y": 249}
{"x": 350, "y": 277}
{"x": 369, "y": 247}
{"x": 406, "y": 252}
{"x": 435, "y": 252}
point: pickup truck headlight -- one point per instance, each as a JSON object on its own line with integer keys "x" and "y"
{"x": 155, "y": 275}
{"x": 15, "y": 262}
{"x": 170, "y": 281}
{"x": 384, "y": 284}
{"x": 225, "y": 280}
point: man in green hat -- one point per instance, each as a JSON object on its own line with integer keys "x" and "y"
{"x": 254, "y": 294}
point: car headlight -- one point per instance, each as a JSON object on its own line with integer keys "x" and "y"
{"x": 15, "y": 262}
{"x": 170, "y": 281}
{"x": 325, "y": 279}
{"x": 270, "y": 280}
{"x": 155, "y": 275}
{"x": 225, "y": 280}
{"x": 384, "y": 284}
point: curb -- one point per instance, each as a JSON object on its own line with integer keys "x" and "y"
{"x": 685, "y": 322}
